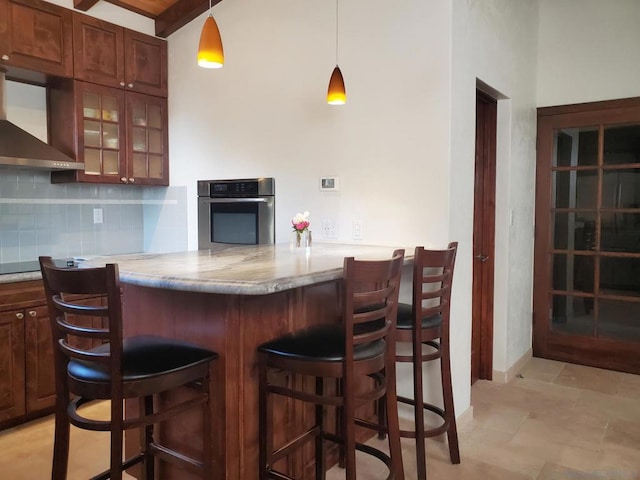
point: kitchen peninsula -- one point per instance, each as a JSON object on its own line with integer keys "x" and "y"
{"x": 231, "y": 299}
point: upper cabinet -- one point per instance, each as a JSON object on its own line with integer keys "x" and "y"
{"x": 36, "y": 36}
{"x": 117, "y": 57}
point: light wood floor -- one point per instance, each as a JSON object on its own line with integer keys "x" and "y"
{"x": 558, "y": 421}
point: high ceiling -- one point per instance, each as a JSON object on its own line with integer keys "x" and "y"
{"x": 169, "y": 15}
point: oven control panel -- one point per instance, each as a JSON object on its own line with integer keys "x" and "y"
{"x": 236, "y": 188}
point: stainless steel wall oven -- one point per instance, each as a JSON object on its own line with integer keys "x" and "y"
{"x": 236, "y": 212}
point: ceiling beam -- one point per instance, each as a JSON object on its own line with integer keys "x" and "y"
{"x": 178, "y": 15}
{"x": 131, "y": 7}
{"x": 84, "y": 5}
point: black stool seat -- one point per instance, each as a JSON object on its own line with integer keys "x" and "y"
{"x": 324, "y": 343}
{"x": 405, "y": 318}
{"x": 144, "y": 358}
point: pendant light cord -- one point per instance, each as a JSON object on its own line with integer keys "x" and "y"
{"x": 337, "y": 20}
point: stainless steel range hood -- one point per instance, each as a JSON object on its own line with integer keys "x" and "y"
{"x": 19, "y": 148}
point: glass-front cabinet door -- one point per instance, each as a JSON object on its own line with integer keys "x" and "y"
{"x": 147, "y": 144}
{"x": 102, "y": 132}
{"x": 587, "y": 247}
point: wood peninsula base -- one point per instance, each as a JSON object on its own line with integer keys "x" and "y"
{"x": 232, "y": 299}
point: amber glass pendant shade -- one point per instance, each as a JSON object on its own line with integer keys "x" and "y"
{"x": 337, "y": 94}
{"x": 210, "y": 52}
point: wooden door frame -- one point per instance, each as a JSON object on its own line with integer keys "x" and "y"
{"x": 600, "y": 352}
{"x": 484, "y": 233}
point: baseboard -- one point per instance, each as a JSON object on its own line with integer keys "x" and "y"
{"x": 465, "y": 418}
{"x": 506, "y": 377}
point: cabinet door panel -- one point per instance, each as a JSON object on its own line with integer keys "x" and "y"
{"x": 12, "y": 369}
{"x": 40, "y": 375}
{"x": 36, "y": 35}
{"x": 147, "y": 142}
{"x": 146, "y": 63}
{"x": 101, "y": 138}
{"x": 98, "y": 51}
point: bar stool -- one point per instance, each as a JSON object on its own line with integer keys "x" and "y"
{"x": 426, "y": 323}
{"x": 362, "y": 345}
{"x": 93, "y": 362}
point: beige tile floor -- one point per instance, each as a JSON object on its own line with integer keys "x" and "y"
{"x": 556, "y": 421}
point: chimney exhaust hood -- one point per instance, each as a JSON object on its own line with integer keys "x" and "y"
{"x": 19, "y": 148}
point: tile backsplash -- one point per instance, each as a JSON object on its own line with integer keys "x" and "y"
{"x": 40, "y": 218}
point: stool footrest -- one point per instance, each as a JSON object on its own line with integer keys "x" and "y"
{"x": 301, "y": 439}
{"x": 428, "y": 432}
{"x": 368, "y": 449}
{"x": 176, "y": 458}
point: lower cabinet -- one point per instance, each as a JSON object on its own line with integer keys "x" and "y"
{"x": 27, "y": 377}
{"x": 27, "y": 383}
{"x": 40, "y": 376}
{"x": 12, "y": 365}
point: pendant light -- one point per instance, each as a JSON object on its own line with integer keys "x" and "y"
{"x": 336, "y": 94}
{"x": 210, "y": 52}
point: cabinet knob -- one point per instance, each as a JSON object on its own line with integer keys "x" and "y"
{"x": 5, "y": 57}
{"x": 20, "y": 315}
{"x": 33, "y": 313}
{"x": 122, "y": 84}
{"x": 132, "y": 180}
{"x": 123, "y": 179}
{"x": 130, "y": 85}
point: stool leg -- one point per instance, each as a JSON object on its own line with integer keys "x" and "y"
{"x": 340, "y": 423}
{"x": 382, "y": 418}
{"x": 348, "y": 428}
{"x": 61, "y": 442}
{"x": 320, "y": 444}
{"x": 146, "y": 406}
{"x": 391, "y": 413}
{"x": 418, "y": 402}
{"x": 447, "y": 394}
{"x": 116, "y": 439}
{"x": 265, "y": 420}
{"x": 207, "y": 435}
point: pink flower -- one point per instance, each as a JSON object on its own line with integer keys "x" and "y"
{"x": 300, "y": 222}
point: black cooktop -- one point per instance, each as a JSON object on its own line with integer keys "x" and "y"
{"x": 31, "y": 266}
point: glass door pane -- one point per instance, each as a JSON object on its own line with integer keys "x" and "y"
{"x": 595, "y": 209}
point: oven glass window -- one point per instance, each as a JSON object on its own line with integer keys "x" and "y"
{"x": 231, "y": 225}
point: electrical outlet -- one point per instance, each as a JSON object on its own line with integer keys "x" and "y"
{"x": 357, "y": 230}
{"x": 329, "y": 229}
{"x": 97, "y": 215}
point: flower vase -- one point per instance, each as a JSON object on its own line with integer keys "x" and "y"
{"x": 300, "y": 239}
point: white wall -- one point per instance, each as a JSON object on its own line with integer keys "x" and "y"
{"x": 494, "y": 41}
{"x": 588, "y": 51}
{"x": 264, "y": 113}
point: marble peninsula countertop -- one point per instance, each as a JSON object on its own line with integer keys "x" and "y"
{"x": 244, "y": 269}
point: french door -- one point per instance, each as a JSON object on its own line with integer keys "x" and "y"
{"x": 587, "y": 244}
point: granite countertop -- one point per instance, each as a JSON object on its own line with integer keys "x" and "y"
{"x": 20, "y": 277}
{"x": 245, "y": 269}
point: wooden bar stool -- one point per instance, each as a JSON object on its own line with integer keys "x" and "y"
{"x": 361, "y": 346}
{"x": 93, "y": 362}
{"x": 425, "y": 323}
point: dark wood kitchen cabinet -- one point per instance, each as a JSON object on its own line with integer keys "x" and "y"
{"x": 35, "y": 36}
{"x": 120, "y": 136}
{"x": 12, "y": 368}
{"x": 117, "y": 57}
{"x": 27, "y": 377}
{"x": 27, "y": 386}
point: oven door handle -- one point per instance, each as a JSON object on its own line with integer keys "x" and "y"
{"x": 236, "y": 200}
